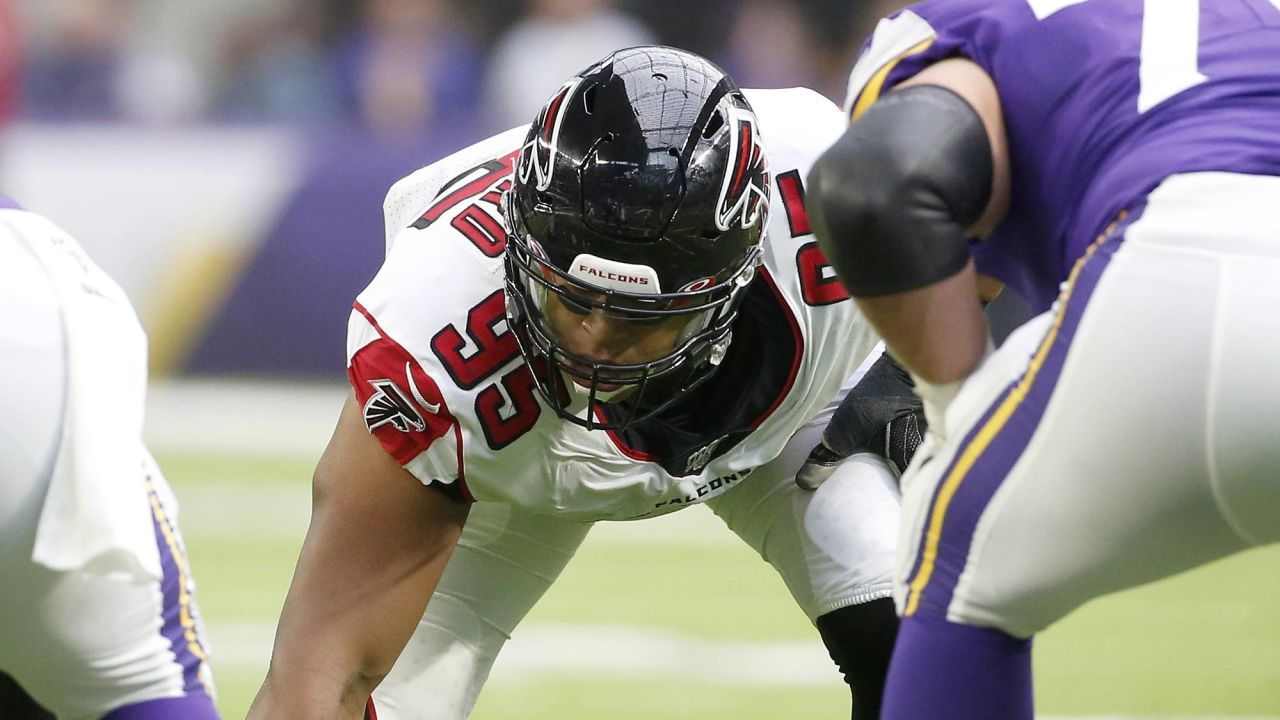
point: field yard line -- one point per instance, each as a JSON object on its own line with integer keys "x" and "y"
{"x": 614, "y": 651}
{"x": 220, "y": 509}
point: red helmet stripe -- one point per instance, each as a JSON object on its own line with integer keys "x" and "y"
{"x": 553, "y": 110}
{"x": 744, "y": 158}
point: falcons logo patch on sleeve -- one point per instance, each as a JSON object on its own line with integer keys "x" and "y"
{"x": 399, "y": 402}
{"x": 389, "y": 405}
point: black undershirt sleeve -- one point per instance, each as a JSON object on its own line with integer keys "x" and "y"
{"x": 890, "y": 201}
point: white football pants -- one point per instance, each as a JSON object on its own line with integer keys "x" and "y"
{"x": 81, "y": 642}
{"x": 1128, "y": 434}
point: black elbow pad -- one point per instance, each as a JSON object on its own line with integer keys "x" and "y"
{"x": 891, "y": 200}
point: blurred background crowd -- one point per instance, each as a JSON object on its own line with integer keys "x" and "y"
{"x": 227, "y": 160}
{"x": 455, "y": 68}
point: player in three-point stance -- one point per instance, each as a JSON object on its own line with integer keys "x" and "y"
{"x": 1118, "y": 162}
{"x": 616, "y": 313}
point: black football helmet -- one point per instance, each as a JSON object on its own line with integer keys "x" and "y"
{"x": 642, "y": 190}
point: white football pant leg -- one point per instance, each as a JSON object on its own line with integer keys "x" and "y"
{"x": 80, "y": 642}
{"x": 833, "y": 547}
{"x": 1152, "y": 449}
{"x": 505, "y": 560}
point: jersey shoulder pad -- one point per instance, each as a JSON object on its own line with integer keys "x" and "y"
{"x": 796, "y": 125}
{"x": 413, "y": 195}
{"x": 895, "y": 38}
{"x": 780, "y": 107}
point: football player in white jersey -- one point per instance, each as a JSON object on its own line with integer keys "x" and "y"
{"x": 97, "y": 609}
{"x": 601, "y": 317}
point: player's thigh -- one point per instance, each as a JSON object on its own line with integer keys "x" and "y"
{"x": 1229, "y": 221}
{"x": 834, "y": 546}
{"x": 32, "y": 385}
{"x": 506, "y": 559}
{"x": 84, "y": 642}
{"x": 1078, "y": 463}
{"x": 1244, "y": 397}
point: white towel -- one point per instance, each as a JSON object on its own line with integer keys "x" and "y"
{"x": 97, "y": 514}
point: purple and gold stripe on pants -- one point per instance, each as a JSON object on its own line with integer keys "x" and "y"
{"x": 179, "y": 625}
{"x": 989, "y": 451}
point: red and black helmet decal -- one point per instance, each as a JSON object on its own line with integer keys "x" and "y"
{"x": 538, "y": 156}
{"x": 744, "y": 194}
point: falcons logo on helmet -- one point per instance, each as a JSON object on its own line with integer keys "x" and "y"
{"x": 538, "y": 155}
{"x": 744, "y": 194}
{"x": 389, "y": 405}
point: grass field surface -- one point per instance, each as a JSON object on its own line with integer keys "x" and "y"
{"x": 675, "y": 618}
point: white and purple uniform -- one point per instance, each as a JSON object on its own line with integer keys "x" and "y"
{"x": 444, "y": 389}
{"x": 1128, "y": 432}
{"x": 97, "y": 612}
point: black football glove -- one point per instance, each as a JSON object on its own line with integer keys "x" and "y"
{"x": 881, "y": 415}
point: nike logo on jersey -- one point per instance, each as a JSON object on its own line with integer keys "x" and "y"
{"x": 388, "y": 405}
{"x": 433, "y": 408}
{"x": 701, "y": 457}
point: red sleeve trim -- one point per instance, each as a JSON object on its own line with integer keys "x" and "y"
{"x": 401, "y": 404}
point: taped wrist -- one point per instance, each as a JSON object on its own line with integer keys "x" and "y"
{"x": 891, "y": 200}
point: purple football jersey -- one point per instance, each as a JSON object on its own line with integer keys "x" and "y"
{"x": 1102, "y": 100}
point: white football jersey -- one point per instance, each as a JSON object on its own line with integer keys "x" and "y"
{"x": 445, "y": 390}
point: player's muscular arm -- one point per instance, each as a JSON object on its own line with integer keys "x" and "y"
{"x": 377, "y": 545}
{"x": 894, "y": 201}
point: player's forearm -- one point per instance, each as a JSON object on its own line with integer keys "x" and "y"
{"x": 938, "y": 332}
{"x": 341, "y": 630}
{"x": 375, "y": 550}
